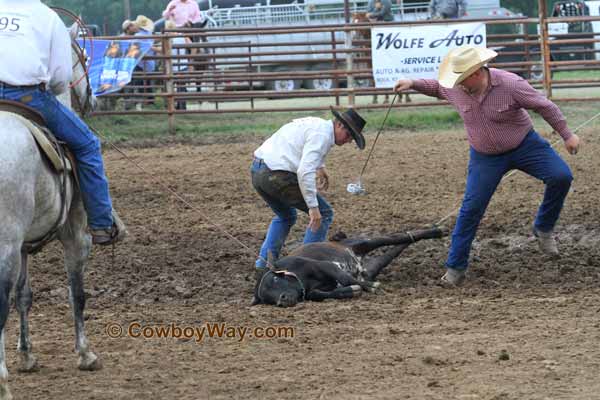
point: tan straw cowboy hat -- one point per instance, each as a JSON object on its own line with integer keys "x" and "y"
{"x": 461, "y": 62}
{"x": 144, "y": 23}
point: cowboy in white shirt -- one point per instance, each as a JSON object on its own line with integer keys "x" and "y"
{"x": 288, "y": 171}
{"x": 36, "y": 51}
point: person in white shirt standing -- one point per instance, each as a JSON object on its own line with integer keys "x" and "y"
{"x": 36, "y": 48}
{"x": 288, "y": 172}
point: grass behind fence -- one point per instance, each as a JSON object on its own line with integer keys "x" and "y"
{"x": 135, "y": 128}
{"x": 224, "y": 127}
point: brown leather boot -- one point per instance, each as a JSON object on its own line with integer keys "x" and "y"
{"x": 546, "y": 242}
{"x": 116, "y": 233}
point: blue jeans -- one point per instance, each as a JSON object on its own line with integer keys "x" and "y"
{"x": 282, "y": 193}
{"x": 69, "y": 128}
{"x": 533, "y": 156}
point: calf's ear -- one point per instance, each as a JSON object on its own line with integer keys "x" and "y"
{"x": 259, "y": 274}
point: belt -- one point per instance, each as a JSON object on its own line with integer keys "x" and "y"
{"x": 260, "y": 163}
{"x": 40, "y": 86}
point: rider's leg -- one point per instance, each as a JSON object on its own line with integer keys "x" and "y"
{"x": 68, "y": 127}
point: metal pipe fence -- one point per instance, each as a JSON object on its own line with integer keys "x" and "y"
{"x": 245, "y": 68}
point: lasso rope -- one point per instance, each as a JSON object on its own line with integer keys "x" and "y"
{"x": 377, "y": 137}
{"x": 81, "y": 26}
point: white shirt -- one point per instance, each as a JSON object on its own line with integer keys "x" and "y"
{"x": 300, "y": 147}
{"x": 35, "y": 46}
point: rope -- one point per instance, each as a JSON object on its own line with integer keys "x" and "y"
{"x": 511, "y": 173}
{"x": 81, "y": 25}
{"x": 376, "y": 137}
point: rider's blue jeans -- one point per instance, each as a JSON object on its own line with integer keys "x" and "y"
{"x": 69, "y": 128}
{"x": 281, "y": 192}
{"x": 535, "y": 157}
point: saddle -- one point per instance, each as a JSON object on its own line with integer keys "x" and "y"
{"x": 57, "y": 155}
{"x": 50, "y": 147}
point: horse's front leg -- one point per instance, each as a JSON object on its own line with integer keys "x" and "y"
{"x": 10, "y": 260}
{"x": 23, "y": 300}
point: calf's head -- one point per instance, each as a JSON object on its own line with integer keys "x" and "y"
{"x": 280, "y": 288}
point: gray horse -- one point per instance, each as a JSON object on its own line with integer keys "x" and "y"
{"x": 30, "y": 204}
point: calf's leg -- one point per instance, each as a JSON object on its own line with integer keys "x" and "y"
{"x": 376, "y": 265}
{"x": 362, "y": 247}
{"x": 346, "y": 292}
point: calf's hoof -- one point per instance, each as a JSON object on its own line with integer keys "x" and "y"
{"x": 371, "y": 287}
{"x": 28, "y": 363}
{"x": 356, "y": 290}
{"x": 89, "y": 362}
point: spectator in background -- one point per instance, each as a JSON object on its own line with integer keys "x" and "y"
{"x": 184, "y": 13}
{"x": 447, "y": 9}
{"x": 129, "y": 28}
{"x": 380, "y": 10}
{"x": 179, "y": 64}
{"x": 142, "y": 26}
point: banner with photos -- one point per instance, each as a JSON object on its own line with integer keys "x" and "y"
{"x": 113, "y": 62}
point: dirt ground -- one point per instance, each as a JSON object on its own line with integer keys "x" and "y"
{"x": 523, "y": 327}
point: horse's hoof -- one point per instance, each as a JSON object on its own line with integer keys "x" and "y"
{"x": 29, "y": 363}
{"x": 90, "y": 363}
{"x": 356, "y": 290}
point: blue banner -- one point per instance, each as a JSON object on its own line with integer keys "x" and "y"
{"x": 113, "y": 62}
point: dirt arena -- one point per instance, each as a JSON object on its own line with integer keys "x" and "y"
{"x": 524, "y": 327}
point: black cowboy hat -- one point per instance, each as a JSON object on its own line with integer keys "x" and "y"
{"x": 354, "y": 123}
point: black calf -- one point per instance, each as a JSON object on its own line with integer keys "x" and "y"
{"x": 332, "y": 270}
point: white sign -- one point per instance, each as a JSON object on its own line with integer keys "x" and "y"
{"x": 416, "y": 51}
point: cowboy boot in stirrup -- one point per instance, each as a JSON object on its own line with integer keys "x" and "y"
{"x": 115, "y": 234}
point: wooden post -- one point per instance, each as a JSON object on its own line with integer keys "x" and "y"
{"x": 545, "y": 47}
{"x": 169, "y": 84}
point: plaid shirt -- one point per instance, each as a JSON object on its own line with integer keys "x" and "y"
{"x": 497, "y": 122}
